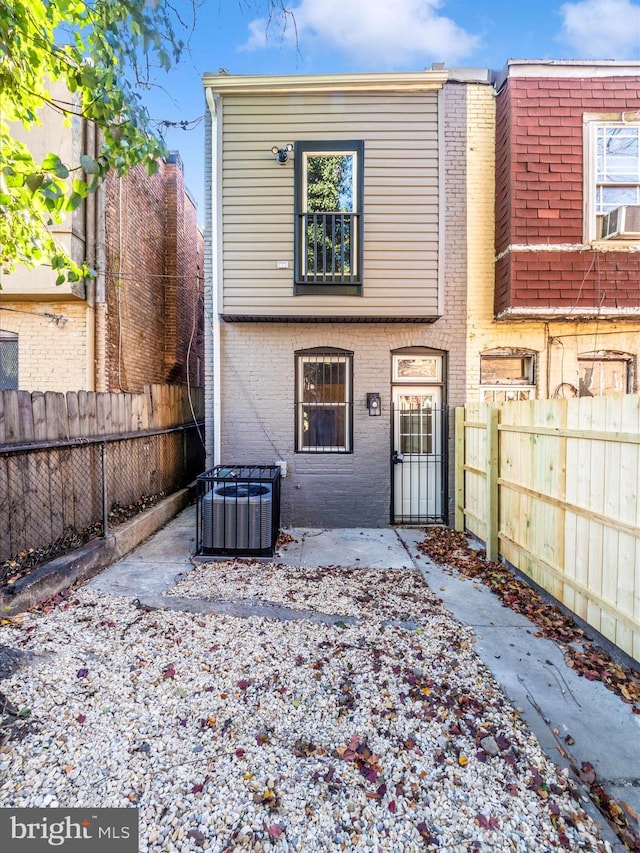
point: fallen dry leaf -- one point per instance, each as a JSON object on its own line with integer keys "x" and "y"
{"x": 450, "y": 549}
{"x": 629, "y": 810}
{"x": 275, "y": 830}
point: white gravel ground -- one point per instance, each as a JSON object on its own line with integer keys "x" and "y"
{"x": 255, "y": 734}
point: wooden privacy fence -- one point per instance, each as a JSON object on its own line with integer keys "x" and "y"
{"x": 36, "y": 416}
{"x": 70, "y": 463}
{"x": 551, "y": 486}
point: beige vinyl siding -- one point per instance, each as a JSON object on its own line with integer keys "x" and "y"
{"x": 401, "y": 224}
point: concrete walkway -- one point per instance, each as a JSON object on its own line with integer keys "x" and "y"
{"x": 553, "y": 700}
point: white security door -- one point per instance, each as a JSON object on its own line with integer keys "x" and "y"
{"x": 417, "y": 454}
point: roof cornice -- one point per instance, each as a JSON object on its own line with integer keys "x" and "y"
{"x": 568, "y": 68}
{"x": 399, "y": 81}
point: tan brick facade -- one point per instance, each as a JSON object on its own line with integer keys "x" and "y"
{"x": 153, "y": 283}
{"x": 54, "y": 344}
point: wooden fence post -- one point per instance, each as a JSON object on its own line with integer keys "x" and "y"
{"x": 493, "y": 459}
{"x": 459, "y": 467}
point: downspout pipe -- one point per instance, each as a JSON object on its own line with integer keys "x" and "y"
{"x": 94, "y": 207}
{"x": 90, "y": 223}
{"x": 101, "y": 304}
{"x": 213, "y": 284}
{"x": 100, "y": 290}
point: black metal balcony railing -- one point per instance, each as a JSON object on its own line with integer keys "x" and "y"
{"x": 328, "y": 248}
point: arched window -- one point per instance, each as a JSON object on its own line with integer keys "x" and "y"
{"x": 324, "y": 400}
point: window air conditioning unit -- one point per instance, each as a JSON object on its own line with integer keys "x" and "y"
{"x": 622, "y": 223}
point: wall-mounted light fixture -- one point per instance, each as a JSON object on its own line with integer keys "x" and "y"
{"x": 282, "y": 154}
{"x": 374, "y": 405}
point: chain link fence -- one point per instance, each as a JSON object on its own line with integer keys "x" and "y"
{"x": 56, "y": 495}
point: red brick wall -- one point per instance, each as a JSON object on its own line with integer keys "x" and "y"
{"x": 540, "y": 199}
{"x": 153, "y": 283}
{"x": 184, "y": 264}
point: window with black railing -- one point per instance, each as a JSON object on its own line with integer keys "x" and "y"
{"x": 329, "y": 215}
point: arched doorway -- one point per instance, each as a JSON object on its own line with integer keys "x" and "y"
{"x": 418, "y": 437}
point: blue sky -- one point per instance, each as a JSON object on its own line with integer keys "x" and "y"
{"x": 332, "y": 36}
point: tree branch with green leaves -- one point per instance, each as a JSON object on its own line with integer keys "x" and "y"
{"x": 104, "y": 52}
{"x": 107, "y": 53}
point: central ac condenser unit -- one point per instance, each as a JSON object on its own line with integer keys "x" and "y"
{"x": 237, "y": 516}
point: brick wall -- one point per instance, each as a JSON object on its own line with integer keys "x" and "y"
{"x": 540, "y": 196}
{"x": 480, "y": 192}
{"x": 583, "y": 279}
{"x": 54, "y": 344}
{"x": 258, "y": 418}
{"x": 456, "y": 236}
{"x": 153, "y": 280}
{"x": 503, "y": 157}
{"x": 184, "y": 256}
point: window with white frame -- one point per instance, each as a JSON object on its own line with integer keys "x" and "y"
{"x": 8, "y": 361}
{"x": 506, "y": 375}
{"x": 613, "y": 169}
{"x": 605, "y": 374}
{"x": 324, "y": 401}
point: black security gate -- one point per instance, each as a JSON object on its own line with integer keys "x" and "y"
{"x": 418, "y": 458}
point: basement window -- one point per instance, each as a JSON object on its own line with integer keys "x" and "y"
{"x": 604, "y": 374}
{"x": 506, "y": 375}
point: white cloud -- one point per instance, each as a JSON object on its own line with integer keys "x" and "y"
{"x": 395, "y": 33}
{"x": 602, "y": 29}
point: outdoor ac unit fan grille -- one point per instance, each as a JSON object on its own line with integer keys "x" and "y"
{"x": 237, "y": 517}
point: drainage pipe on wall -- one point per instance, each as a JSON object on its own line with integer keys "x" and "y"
{"x": 95, "y": 252}
{"x": 90, "y": 222}
{"x": 213, "y": 284}
{"x": 101, "y": 304}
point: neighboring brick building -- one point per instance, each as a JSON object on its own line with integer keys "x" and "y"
{"x": 153, "y": 279}
{"x": 562, "y": 317}
{"x": 143, "y": 314}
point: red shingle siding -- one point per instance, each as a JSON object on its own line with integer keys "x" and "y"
{"x": 503, "y": 169}
{"x": 585, "y": 279}
{"x": 540, "y": 198}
